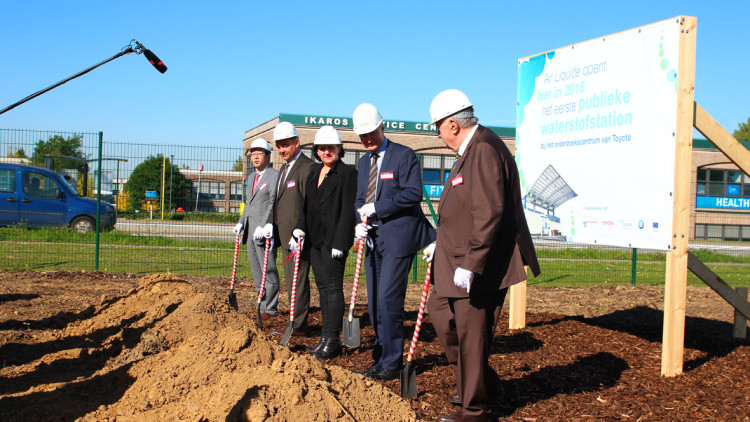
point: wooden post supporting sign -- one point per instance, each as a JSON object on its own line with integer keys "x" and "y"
{"x": 673, "y": 339}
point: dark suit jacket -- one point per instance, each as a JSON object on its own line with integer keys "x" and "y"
{"x": 403, "y": 228}
{"x": 289, "y": 200}
{"x": 481, "y": 220}
{"x": 327, "y": 215}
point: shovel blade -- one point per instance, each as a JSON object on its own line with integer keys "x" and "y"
{"x": 351, "y": 336}
{"x": 408, "y": 378}
{"x": 260, "y": 318}
{"x": 287, "y": 334}
{"x": 233, "y": 301}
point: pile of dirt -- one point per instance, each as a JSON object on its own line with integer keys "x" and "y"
{"x": 167, "y": 351}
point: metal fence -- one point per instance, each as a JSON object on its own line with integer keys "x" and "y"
{"x": 197, "y": 194}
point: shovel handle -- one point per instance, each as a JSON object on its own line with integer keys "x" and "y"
{"x": 265, "y": 267}
{"x": 357, "y": 270}
{"x": 294, "y": 279}
{"x": 234, "y": 265}
{"x": 420, "y": 315}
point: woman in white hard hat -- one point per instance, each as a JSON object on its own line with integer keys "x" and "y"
{"x": 328, "y": 219}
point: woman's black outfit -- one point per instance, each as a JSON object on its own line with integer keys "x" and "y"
{"x": 328, "y": 220}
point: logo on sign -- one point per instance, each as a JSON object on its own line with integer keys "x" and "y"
{"x": 641, "y": 224}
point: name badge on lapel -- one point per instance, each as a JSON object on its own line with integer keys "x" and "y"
{"x": 290, "y": 184}
{"x": 386, "y": 176}
{"x": 458, "y": 180}
{"x": 262, "y": 186}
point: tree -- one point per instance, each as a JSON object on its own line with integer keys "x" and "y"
{"x": 147, "y": 176}
{"x": 57, "y": 145}
{"x": 238, "y": 164}
{"x": 742, "y": 134}
{"x": 16, "y": 153}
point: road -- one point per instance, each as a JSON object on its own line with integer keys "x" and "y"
{"x": 176, "y": 229}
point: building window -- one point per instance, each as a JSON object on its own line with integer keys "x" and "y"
{"x": 722, "y": 232}
{"x": 700, "y": 188}
{"x": 722, "y": 183}
{"x": 436, "y": 168}
{"x": 234, "y": 210}
{"x": 235, "y": 191}
{"x": 209, "y": 190}
{"x": 431, "y": 176}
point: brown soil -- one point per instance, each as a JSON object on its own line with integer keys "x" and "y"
{"x": 102, "y": 346}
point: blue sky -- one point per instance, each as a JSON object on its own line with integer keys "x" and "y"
{"x": 234, "y": 65}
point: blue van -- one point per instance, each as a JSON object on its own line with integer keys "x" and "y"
{"x": 39, "y": 197}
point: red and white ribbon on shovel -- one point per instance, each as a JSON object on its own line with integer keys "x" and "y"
{"x": 290, "y": 327}
{"x": 357, "y": 269}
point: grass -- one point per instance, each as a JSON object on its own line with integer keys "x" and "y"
{"x": 62, "y": 249}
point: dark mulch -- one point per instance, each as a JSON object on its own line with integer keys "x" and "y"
{"x": 571, "y": 368}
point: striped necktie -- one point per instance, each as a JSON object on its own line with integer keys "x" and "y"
{"x": 373, "y": 180}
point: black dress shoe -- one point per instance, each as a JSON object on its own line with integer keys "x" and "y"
{"x": 385, "y": 374}
{"x": 331, "y": 348}
{"x": 275, "y": 331}
{"x": 369, "y": 371}
{"x": 454, "y": 398}
{"x": 317, "y": 347}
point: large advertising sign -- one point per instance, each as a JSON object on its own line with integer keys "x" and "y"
{"x": 595, "y": 136}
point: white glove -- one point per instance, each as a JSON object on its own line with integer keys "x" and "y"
{"x": 237, "y": 229}
{"x": 293, "y": 244}
{"x": 361, "y": 230}
{"x": 268, "y": 231}
{"x": 335, "y": 253}
{"x": 258, "y": 234}
{"x": 428, "y": 252}
{"x": 462, "y": 278}
{"x": 298, "y": 233}
{"x": 367, "y": 210}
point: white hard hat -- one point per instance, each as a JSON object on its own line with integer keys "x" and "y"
{"x": 260, "y": 143}
{"x": 327, "y": 135}
{"x": 366, "y": 119}
{"x": 284, "y": 130}
{"x": 448, "y": 103}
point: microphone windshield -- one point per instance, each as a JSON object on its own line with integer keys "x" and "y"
{"x": 155, "y": 61}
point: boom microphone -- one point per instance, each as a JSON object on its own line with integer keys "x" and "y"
{"x": 155, "y": 61}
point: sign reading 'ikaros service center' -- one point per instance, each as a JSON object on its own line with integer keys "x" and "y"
{"x": 595, "y": 136}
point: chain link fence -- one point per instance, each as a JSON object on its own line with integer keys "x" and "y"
{"x": 176, "y": 205}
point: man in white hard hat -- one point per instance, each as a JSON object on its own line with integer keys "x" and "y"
{"x": 290, "y": 194}
{"x": 389, "y": 195}
{"x": 482, "y": 245}
{"x": 261, "y": 195}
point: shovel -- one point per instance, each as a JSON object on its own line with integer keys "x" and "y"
{"x": 290, "y": 327}
{"x": 263, "y": 281}
{"x": 408, "y": 375}
{"x": 351, "y": 337}
{"x": 232, "y": 296}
